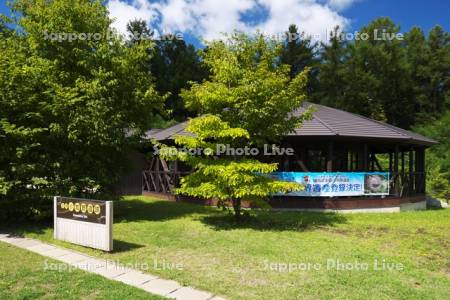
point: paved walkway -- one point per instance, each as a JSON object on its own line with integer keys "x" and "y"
{"x": 111, "y": 270}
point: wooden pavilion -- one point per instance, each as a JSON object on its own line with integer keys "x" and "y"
{"x": 332, "y": 141}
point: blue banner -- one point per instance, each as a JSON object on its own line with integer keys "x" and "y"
{"x": 335, "y": 184}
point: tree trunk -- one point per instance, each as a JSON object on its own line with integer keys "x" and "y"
{"x": 237, "y": 208}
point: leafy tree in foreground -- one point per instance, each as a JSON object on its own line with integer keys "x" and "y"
{"x": 68, "y": 108}
{"x": 4, "y": 30}
{"x": 251, "y": 92}
{"x": 230, "y": 179}
{"x": 249, "y": 88}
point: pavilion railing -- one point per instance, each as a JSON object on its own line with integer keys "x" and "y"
{"x": 407, "y": 184}
{"x": 161, "y": 181}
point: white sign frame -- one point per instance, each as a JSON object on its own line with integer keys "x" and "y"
{"x": 88, "y": 234}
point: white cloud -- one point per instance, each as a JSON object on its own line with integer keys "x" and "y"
{"x": 311, "y": 17}
{"x": 205, "y": 18}
{"x": 124, "y": 12}
{"x": 210, "y": 18}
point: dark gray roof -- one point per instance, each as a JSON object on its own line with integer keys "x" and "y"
{"x": 331, "y": 122}
{"x": 168, "y": 133}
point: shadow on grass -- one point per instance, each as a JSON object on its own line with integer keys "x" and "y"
{"x": 274, "y": 221}
{"x": 434, "y": 208}
{"x": 122, "y": 246}
{"x": 26, "y": 227}
{"x": 138, "y": 210}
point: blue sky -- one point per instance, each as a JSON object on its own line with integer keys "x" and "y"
{"x": 207, "y": 19}
{"x": 423, "y": 13}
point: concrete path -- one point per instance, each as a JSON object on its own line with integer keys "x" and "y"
{"x": 111, "y": 270}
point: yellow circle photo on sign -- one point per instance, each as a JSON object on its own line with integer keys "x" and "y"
{"x": 77, "y": 207}
{"x": 90, "y": 208}
{"x": 71, "y": 206}
{"x": 97, "y": 209}
{"x": 83, "y": 207}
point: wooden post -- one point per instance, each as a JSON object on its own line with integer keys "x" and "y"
{"x": 345, "y": 161}
{"x": 396, "y": 159}
{"x": 350, "y": 165}
{"x": 417, "y": 172}
{"x": 365, "y": 158}
{"x": 352, "y": 160}
{"x": 390, "y": 162}
{"x": 157, "y": 180}
{"x": 403, "y": 163}
{"x": 411, "y": 171}
{"x": 396, "y": 174}
{"x": 330, "y": 157}
{"x": 372, "y": 162}
{"x": 304, "y": 158}
{"x": 422, "y": 167}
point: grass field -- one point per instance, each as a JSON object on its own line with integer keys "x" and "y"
{"x": 23, "y": 276}
{"x": 393, "y": 256}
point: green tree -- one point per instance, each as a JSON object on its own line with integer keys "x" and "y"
{"x": 439, "y": 65}
{"x": 248, "y": 88}
{"x": 3, "y": 28}
{"x": 429, "y": 69}
{"x": 438, "y": 157}
{"x": 176, "y": 65}
{"x": 418, "y": 57}
{"x": 376, "y": 84}
{"x": 138, "y": 30}
{"x": 69, "y": 108}
{"x": 298, "y": 52}
{"x": 331, "y": 73}
{"x": 228, "y": 179}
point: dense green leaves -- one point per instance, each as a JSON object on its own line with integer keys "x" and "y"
{"x": 74, "y": 97}
{"x": 249, "y": 88}
{"x": 402, "y": 82}
{"x": 68, "y": 108}
{"x": 438, "y": 157}
{"x": 221, "y": 177}
{"x": 300, "y": 52}
{"x": 175, "y": 62}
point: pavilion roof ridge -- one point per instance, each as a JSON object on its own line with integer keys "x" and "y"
{"x": 325, "y": 124}
{"x": 328, "y": 122}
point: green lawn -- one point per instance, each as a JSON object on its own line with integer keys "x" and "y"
{"x": 23, "y": 276}
{"x": 245, "y": 260}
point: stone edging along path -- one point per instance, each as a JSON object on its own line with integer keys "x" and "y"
{"x": 110, "y": 270}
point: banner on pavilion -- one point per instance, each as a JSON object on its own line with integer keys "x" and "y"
{"x": 329, "y": 184}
